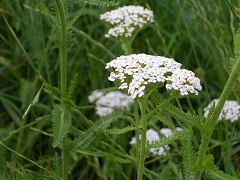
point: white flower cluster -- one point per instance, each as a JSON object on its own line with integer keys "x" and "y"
{"x": 135, "y": 71}
{"x": 108, "y": 103}
{"x": 153, "y": 136}
{"x": 125, "y": 20}
{"x": 230, "y": 111}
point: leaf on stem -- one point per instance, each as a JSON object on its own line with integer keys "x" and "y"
{"x": 189, "y": 158}
{"x": 92, "y": 133}
{"x": 213, "y": 172}
{"x": 166, "y": 140}
{"x": 121, "y": 131}
{"x": 99, "y": 3}
{"x": 72, "y": 85}
{"x": 61, "y": 123}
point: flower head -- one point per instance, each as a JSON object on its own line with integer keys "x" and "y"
{"x": 94, "y": 96}
{"x": 230, "y": 111}
{"x": 125, "y": 20}
{"x": 108, "y": 103}
{"x": 136, "y": 71}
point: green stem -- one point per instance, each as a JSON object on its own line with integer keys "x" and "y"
{"x": 63, "y": 57}
{"x": 143, "y": 139}
{"x": 213, "y": 120}
{"x": 136, "y": 117}
{"x": 126, "y": 47}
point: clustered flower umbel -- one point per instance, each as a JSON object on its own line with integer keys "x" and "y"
{"x": 153, "y": 136}
{"x": 108, "y": 103}
{"x": 230, "y": 111}
{"x": 136, "y": 71}
{"x": 125, "y": 20}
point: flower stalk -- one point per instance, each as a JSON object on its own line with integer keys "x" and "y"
{"x": 214, "y": 118}
{"x": 143, "y": 139}
{"x": 63, "y": 71}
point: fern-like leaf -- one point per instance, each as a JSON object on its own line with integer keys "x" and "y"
{"x": 99, "y": 3}
{"x": 50, "y": 14}
{"x": 213, "y": 171}
{"x": 232, "y": 62}
{"x": 61, "y": 123}
{"x": 218, "y": 175}
{"x": 94, "y": 131}
{"x": 175, "y": 112}
{"x": 56, "y": 164}
{"x": 188, "y": 155}
{"x": 237, "y": 43}
{"x": 166, "y": 140}
{"x": 56, "y": 23}
{"x": 73, "y": 20}
{"x": 121, "y": 131}
{"x": 72, "y": 85}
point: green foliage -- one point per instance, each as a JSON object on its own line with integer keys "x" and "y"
{"x": 72, "y": 85}
{"x": 232, "y": 62}
{"x": 175, "y": 112}
{"x": 99, "y": 3}
{"x": 121, "y": 131}
{"x": 237, "y": 43}
{"x": 34, "y": 101}
{"x": 55, "y": 19}
{"x": 12, "y": 109}
{"x": 218, "y": 175}
{"x": 166, "y": 140}
{"x": 61, "y": 123}
{"x": 94, "y": 131}
{"x": 3, "y": 160}
{"x": 188, "y": 154}
{"x": 56, "y": 164}
{"x": 213, "y": 171}
{"x": 97, "y": 169}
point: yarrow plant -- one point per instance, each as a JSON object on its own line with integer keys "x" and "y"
{"x": 135, "y": 72}
{"x": 110, "y": 102}
{"x": 139, "y": 74}
{"x": 230, "y": 111}
{"x": 153, "y": 136}
{"x": 126, "y": 20}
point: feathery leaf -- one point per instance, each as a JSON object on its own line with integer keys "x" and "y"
{"x": 61, "y": 123}
{"x": 94, "y": 131}
{"x": 175, "y": 112}
{"x": 56, "y": 164}
{"x": 188, "y": 155}
{"x": 99, "y": 3}
{"x": 72, "y": 85}
{"x": 121, "y": 131}
{"x": 213, "y": 171}
{"x": 166, "y": 140}
{"x": 237, "y": 42}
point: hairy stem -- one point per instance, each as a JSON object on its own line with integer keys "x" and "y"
{"x": 143, "y": 139}
{"x": 63, "y": 61}
{"x": 213, "y": 120}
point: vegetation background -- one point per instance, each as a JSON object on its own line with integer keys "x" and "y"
{"x": 198, "y": 34}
